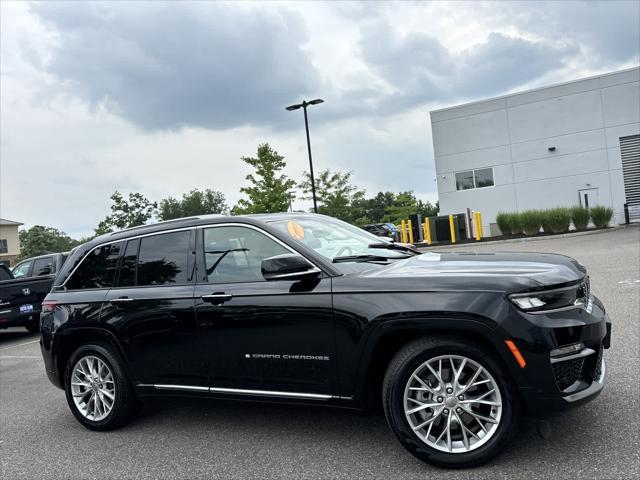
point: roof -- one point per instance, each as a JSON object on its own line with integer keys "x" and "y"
{"x": 514, "y": 94}
{"x": 4, "y": 221}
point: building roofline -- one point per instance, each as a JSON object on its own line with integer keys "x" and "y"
{"x": 7, "y": 222}
{"x": 499, "y": 97}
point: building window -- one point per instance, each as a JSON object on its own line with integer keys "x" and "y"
{"x": 479, "y": 178}
{"x": 4, "y": 248}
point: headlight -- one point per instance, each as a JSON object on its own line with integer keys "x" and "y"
{"x": 549, "y": 299}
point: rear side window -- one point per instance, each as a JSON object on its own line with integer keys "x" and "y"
{"x": 42, "y": 266}
{"x": 163, "y": 259}
{"x": 97, "y": 269}
{"x": 128, "y": 266}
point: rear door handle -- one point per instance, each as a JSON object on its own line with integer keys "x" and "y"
{"x": 216, "y": 298}
{"x": 120, "y": 301}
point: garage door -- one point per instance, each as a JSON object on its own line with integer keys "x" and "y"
{"x": 630, "y": 151}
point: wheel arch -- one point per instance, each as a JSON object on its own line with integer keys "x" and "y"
{"x": 389, "y": 341}
{"x": 72, "y": 339}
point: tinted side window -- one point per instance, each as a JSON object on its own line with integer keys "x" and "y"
{"x": 163, "y": 259}
{"x": 42, "y": 266}
{"x": 235, "y": 254}
{"x": 97, "y": 269}
{"x": 4, "y": 273}
{"x": 128, "y": 265}
{"x": 22, "y": 269}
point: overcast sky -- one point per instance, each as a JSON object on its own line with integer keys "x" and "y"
{"x": 161, "y": 98}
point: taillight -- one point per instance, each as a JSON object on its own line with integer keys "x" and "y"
{"x": 48, "y": 306}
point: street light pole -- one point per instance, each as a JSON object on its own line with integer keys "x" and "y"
{"x": 304, "y": 106}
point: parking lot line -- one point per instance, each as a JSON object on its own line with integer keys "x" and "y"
{"x": 18, "y": 356}
{"x": 18, "y": 345}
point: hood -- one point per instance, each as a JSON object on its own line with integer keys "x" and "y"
{"x": 487, "y": 271}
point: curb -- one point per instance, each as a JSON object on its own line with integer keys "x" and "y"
{"x": 526, "y": 239}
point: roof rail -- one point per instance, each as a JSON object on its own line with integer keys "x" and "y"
{"x": 165, "y": 222}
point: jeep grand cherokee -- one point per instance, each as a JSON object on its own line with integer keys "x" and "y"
{"x": 308, "y": 309}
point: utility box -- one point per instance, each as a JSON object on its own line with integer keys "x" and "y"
{"x": 441, "y": 230}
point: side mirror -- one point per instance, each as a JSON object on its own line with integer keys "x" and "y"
{"x": 287, "y": 267}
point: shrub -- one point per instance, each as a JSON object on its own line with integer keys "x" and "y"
{"x": 509, "y": 223}
{"x": 546, "y": 220}
{"x": 558, "y": 220}
{"x": 516, "y": 224}
{"x": 601, "y": 216}
{"x": 580, "y": 216}
{"x": 504, "y": 223}
{"x": 531, "y": 221}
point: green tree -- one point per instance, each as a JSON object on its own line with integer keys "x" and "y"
{"x": 269, "y": 191}
{"x": 427, "y": 209}
{"x": 39, "y": 240}
{"x": 137, "y": 210}
{"x": 196, "y": 202}
{"x": 335, "y": 194}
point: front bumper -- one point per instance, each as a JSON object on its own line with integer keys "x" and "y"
{"x": 553, "y": 384}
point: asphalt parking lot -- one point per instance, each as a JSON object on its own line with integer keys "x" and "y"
{"x": 191, "y": 438}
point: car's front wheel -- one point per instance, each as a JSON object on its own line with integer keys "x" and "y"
{"x": 449, "y": 402}
{"x": 97, "y": 389}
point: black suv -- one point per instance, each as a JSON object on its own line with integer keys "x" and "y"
{"x": 308, "y": 309}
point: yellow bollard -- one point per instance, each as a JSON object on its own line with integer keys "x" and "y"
{"x": 410, "y": 230}
{"x": 478, "y": 221}
{"x": 427, "y": 232}
{"x": 403, "y": 232}
{"x": 452, "y": 228}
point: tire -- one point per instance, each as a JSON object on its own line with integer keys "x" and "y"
{"x": 124, "y": 404}
{"x": 458, "y": 449}
{"x": 33, "y": 328}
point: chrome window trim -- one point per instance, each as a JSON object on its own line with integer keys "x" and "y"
{"x": 125, "y": 239}
{"x": 264, "y": 232}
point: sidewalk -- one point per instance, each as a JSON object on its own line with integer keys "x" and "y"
{"x": 487, "y": 240}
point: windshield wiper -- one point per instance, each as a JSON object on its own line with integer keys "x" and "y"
{"x": 394, "y": 246}
{"x": 365, "y": 258}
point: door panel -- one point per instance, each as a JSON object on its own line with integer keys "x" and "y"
{"x": 269, "y": 336}
{"x": 259, "y": 335}
{"x": 157, "y": 329}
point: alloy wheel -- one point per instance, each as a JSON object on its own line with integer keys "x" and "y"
{"x": 93, "y": 388}
{"x": 453, "y": 404}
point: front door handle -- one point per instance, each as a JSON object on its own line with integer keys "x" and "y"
{"x": 216, "y": 298}
{"x": 120, "y": 301}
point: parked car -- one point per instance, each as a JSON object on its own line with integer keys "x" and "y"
{"x": 304, "y": 308}
{"x": 23, "y": 289}
{"x": 383, "y": 230}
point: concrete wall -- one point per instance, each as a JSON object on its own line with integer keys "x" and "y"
{"x": 583, "y": 120}
{"x": 10, "y": 233}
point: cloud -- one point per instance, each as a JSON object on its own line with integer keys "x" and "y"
{"x": 420, "y": 69}
{"x": 164, "y": 66}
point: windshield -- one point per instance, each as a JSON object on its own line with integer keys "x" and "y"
{"x": 334, "y": 238}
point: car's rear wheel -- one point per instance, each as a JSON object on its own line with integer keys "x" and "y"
{"x": 97, "y": 389}
{"x": 449, "y": 402}
{"x": 33, "y": 327}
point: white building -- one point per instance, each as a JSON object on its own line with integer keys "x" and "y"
{"x": 548, "y": 147}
